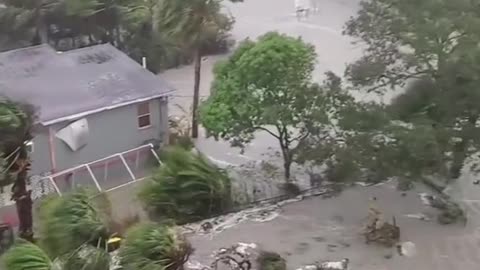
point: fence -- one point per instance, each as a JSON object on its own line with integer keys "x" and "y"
{"x": 104, "y": 174}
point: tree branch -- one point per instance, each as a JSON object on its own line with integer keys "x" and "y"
{"x": 268, "y": 131}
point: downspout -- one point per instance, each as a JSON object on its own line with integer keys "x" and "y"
{"x": 51, "y": 147}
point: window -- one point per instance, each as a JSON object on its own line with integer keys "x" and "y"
{"x": 29, "y": 146}
{"x": 143, "y": 114}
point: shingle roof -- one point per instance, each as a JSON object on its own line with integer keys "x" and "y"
{"x": 75, "y": 82}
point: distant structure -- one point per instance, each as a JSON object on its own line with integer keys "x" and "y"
{"x": 91, "y": 103}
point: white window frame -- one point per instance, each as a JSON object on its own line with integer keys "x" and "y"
{"x": 149, "y": 114}
{"x": 29, "y": 144}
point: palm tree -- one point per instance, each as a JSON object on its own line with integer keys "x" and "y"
{"x": 16, "y": 124}
{"x": 25, "y": 255}
{"x": 73, "y": 220}
{"x": 187, "y": 187}
{"x": 27, "y": 19}
{"x": 153, "y": 246}
{"x": 192, "y": 23}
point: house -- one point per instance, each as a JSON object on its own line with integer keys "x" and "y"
{"x": 91, "y": 103}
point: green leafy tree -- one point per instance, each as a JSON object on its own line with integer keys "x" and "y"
{"x": 267, "y": 86}
{"x": 187, "y": 187}
{"x": 431, "y": 47}
{"x": 192, "y": 24}
{"x": 16, "y": 125}
{"x": 153, "y": 246}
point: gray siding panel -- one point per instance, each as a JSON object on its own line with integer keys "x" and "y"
{"x": 110, "y": 132}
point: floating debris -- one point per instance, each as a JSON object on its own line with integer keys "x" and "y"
{"x": 408, "y": 249}
{"x": 419, "y": 216}
{"x": 240, "y": 256}
{"x": 339, "y": 265}
{"x": 328, "y": 265}
{"x": 261, "y": 213}
{"x": 195, "y": 265}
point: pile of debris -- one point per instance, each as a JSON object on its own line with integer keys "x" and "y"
{"x": 379, "y": 231}
{"x": 450, "y": 212}
{"x": 241, "y": 256}
{"x": 328, "y": 265}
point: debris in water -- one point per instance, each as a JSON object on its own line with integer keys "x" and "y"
{"x": 339, "y": 265}
{"x": 195, "y": 265}
{"x": 237, "y": 257}
{"x": 328, "y": 265}
{"x": 419, "y": 216}
{"x": 261, "y": 213}
{"x": 408, "y": 249}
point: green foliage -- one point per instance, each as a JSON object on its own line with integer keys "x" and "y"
{"x": 271, "y": 261}
{"x": 16, "y": 122}
{"x": 430, "y": 47}
{"x": 154, "y": 246}
{"x": 70, "y": 221}
{"x": 137, "y": 27}
{"x": 26, "y": 256}
{"x": 261, "y": 87}
{"x": 187, "y": 187}
{"x": 87, "y": 257}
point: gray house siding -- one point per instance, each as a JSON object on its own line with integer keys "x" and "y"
{"x": 110, "y": 132}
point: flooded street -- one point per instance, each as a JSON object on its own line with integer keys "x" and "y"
{"x": 314, "y": 229}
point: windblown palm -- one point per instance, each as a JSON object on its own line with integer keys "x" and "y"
{"x": 192, "y": 23}
{"x": 26, "y": 19}
{"x": 187, "y": 187}
{"x": 71, "y": 221}
{"x": 153, "y": 246}
{"x": 16, "y": 123}
{"x": 27, "y": 256}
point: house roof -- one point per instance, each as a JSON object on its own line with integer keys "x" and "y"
{"x": 73, "y": 84}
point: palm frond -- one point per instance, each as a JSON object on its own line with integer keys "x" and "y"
{"x": 26, "y": 256}
{"x": 86, "y": 257}
{"x": 186, "y": 187}
{"x": 152, "y": 246}
{"x": 70, "y": 221}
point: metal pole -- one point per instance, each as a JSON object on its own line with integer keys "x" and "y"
{"x": 126, "y": 166}
{"x": 137, "y": 160}
{"x": 156, "y": 156}
{"x": 93, "y": 177}
{"x": 105, "y": 172}
{"x": 55, "y": 186}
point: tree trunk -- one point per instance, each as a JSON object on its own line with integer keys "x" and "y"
{"x": 287, "y": 162}
{"x": 196, "y": 93}
{"x": 23, "y": 201}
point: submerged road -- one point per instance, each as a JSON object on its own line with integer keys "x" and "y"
{"x": 441, "y": 248}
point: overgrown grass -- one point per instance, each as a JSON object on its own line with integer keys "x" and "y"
{"x": 153, "y": 246}
{"x": 186, "y": 188}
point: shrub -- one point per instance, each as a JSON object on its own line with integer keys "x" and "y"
{"x": 271, "y": 261}
{"x": 25, "y": 255}
{"x": 70, "y": 221}
{"x": 152, "y": 246}
{"x": 187, "y": 187}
